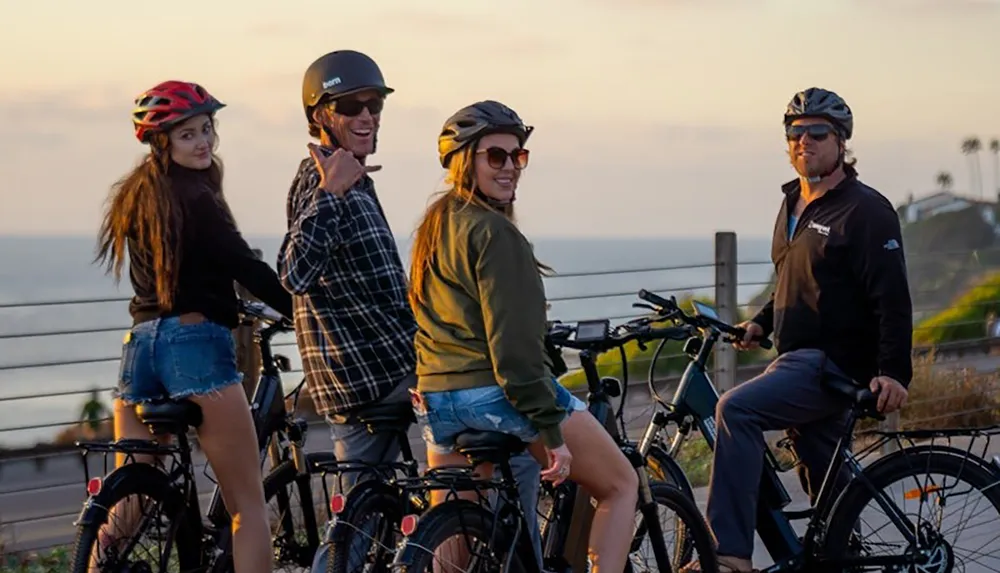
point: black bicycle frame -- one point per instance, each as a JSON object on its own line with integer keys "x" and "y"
{"x": 572, "y": 534}
{"x": 695, "y": 402}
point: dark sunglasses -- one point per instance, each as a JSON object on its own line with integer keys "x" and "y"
{"x": 497, "y": 157}
{"x": 816, "y": 131}
{"x": 353, "y": 107}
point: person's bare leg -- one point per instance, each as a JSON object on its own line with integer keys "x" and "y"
{"x": 123, "y": 518}
{"x": 228, "y": 440}
{"x": 600, "y": 467}
{"x": 452, "y": 556}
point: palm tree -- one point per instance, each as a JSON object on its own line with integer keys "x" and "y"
{"x": 971, "y": 147}
{"x": 995, "y": 148}
{"x": 944, "y": 180}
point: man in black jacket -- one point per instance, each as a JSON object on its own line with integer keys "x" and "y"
{"x": 841, "y": 307}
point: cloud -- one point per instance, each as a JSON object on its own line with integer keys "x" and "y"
{"x": 586, "y": 176}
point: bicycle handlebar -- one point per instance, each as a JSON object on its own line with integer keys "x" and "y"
{"x": 667, "y": 308}
{"x": 639, "y": 329}
{"x": 260, "y": 311}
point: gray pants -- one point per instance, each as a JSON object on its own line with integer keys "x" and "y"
{"x": 353, "y": 442}
{"x": 787, "y": 395}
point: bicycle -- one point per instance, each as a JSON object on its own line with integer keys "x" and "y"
{"x": 206, "y": 546}
{"x": 569, "y": 518}
{"x": 832, "y": 536}
{"x": 387, "y": 500}
{"x": 371, "y": 504}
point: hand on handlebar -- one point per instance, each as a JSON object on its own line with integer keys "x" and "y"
{"x": 752, "y": 332}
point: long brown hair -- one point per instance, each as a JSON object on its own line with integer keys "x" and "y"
{"x": 144, "y": 214}
{"x": 461, "y": 187}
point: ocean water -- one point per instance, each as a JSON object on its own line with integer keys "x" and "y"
{"x": 43, "y": 269}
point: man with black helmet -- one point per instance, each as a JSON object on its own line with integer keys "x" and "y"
{"x": 841, "y": 308}
{"x": 353, "y": 323}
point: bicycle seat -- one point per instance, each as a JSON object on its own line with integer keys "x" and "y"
{"x": 391, "y": 417}
{"x": 860, "y": 396}
{"x": 493, "y": 447}
{"x": 169, "y": 416}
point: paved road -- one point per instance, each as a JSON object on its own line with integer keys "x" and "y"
{"x": 39, "y": 503}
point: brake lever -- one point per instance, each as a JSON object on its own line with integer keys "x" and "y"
{"x": 647, "y": 307}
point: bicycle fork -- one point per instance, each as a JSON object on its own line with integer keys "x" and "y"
{"x": 649, "y": 510}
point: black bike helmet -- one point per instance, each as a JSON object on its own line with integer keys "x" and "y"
{"x": 472, "y": 122}
{"x": 338, "y": 74}
{"x": 818, "y": 102}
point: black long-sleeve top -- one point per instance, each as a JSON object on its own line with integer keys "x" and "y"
{"x": 213, "y": 255}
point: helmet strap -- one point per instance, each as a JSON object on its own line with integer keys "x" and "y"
{"x": 817, "y": 178}
{"x": 498, "y": 205}
{"x": 333, "y": 141}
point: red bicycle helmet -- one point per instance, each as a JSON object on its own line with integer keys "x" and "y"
{"x": 167, "y": 104}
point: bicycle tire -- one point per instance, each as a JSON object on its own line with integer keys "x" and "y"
{"x": 369, "y": 498}
{"x": 136, "y": 479}
{"x": 697, "y": 535}
{"x": 897, "y": 466}
{"x": 457, "y": 517}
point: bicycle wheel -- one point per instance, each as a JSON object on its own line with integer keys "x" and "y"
{"x": 294, "y": 530}
{"x": 693, "y": 540}
{"x": 367, "y": 530}
{"x": 472, "y": 536}
{"x": 152, "y": 507}
{"x": 854, "y": 515}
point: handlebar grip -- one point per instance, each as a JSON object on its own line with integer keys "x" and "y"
{"x": 653, "y": 298}
{"x": 765, "y": 343}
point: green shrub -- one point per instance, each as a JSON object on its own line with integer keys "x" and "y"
{"x": 965, "y": 319}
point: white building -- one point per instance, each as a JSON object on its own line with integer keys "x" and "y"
{"x": 944, "y": 202}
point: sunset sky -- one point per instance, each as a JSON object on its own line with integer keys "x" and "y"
{"x": 653, "y": 117}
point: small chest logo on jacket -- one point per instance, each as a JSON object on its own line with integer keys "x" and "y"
{"x": 821, "y": 229}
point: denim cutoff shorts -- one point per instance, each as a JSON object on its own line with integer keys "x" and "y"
{"x": 163, "y": 358}
{"x": 446, "y": 414}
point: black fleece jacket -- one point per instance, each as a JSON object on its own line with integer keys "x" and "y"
{"x": 841, "y": 282}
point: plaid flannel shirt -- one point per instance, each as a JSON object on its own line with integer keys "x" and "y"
{"x": 353, "y": 321}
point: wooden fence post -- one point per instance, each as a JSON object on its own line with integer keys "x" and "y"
{"x": 726, "y": 303}
{"x": 247, "y": 353}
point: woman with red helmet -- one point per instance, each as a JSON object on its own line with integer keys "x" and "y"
{"x": 169, "y": 219}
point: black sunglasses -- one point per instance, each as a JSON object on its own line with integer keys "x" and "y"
{"x": 497, "y": 157}
{"x": 352, "y": 107}
{"x": 816, "y": 131}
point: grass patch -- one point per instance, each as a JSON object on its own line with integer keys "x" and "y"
{"x": 965, "y": 319}
{"x": 43, "y": 562}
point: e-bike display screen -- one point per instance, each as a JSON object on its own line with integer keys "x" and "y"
{"x": 704, "y": 310}
{"x": 592, "y": 330}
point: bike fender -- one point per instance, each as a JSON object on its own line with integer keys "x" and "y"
{"x": 129, "y": 479}
{"x": 672, "y": 469}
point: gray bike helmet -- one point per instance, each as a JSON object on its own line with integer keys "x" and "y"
{"x": 818, "y": 102}
{"x": 472, "y": 122}
{"x": 338, "y": 74}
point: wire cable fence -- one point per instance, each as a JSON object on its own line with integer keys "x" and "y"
{"x": 56, "y": 355}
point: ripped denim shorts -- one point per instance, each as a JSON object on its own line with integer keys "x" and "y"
{"x": 163, "y": 358}
{"x": 445, "y": 414}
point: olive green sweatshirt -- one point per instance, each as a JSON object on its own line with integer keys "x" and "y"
{"x": 482, "y": 321}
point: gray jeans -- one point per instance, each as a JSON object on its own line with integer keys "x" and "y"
{"x": 353, "y": 442}
{"x": 787, "y": 395}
